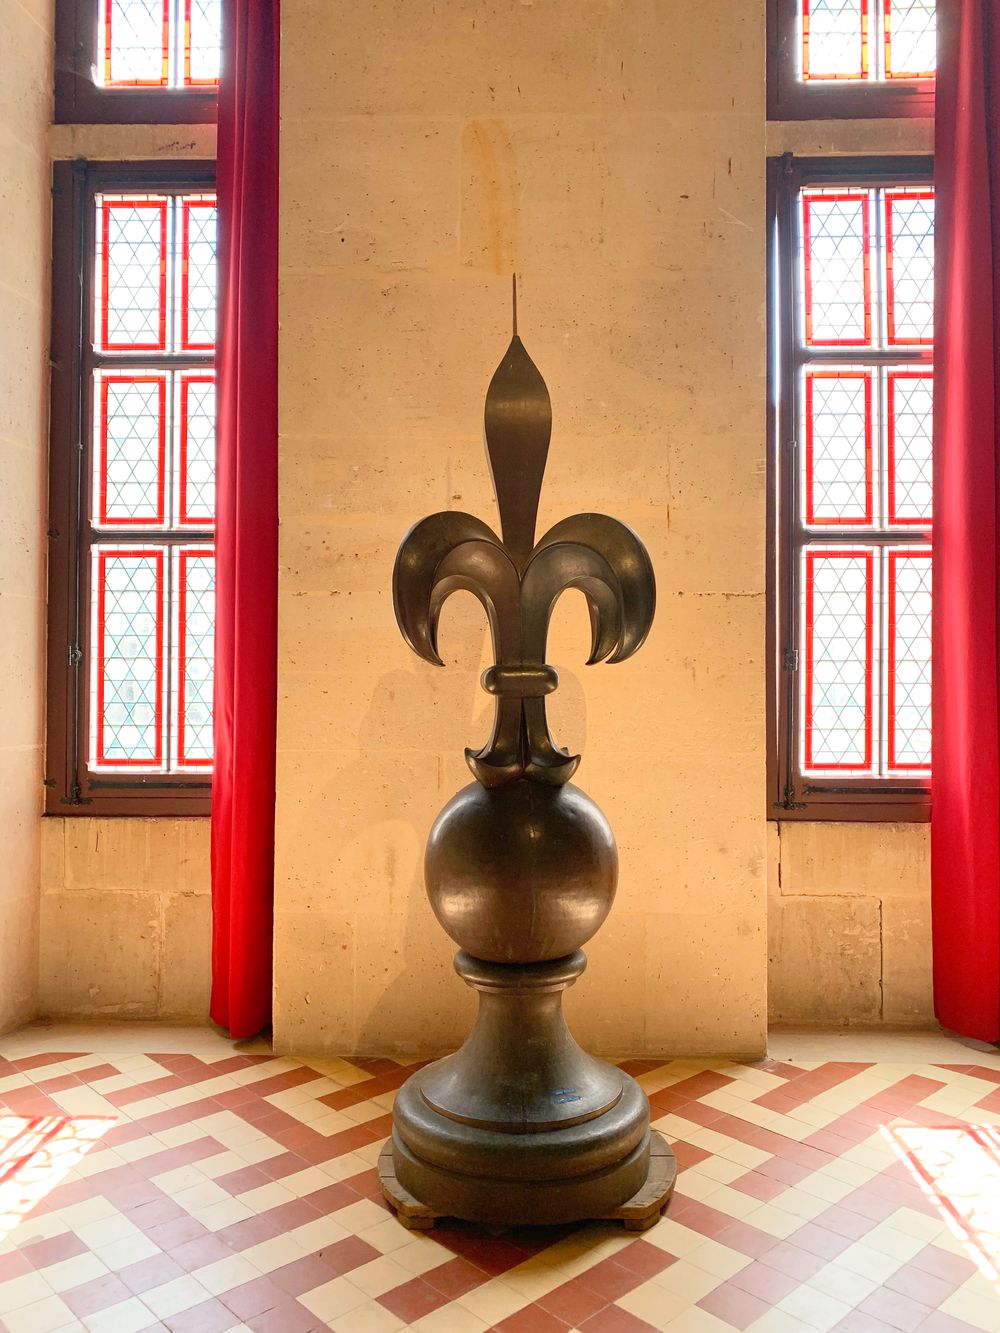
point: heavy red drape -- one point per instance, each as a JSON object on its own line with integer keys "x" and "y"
{"x": 247, "y": 520}
{"x": 965, "y": 823}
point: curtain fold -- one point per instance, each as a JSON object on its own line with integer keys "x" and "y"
{"x": 965, "y": 784}
{"x": 247, "y": 520}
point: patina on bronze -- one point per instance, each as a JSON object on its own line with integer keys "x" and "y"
{"x": 521, "y": 1125}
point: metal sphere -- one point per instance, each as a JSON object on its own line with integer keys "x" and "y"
{"x": 521, "y": 873}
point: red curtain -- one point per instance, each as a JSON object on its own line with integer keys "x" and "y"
{"x": 247, "y": 520}
{"x": 965, "y": 823}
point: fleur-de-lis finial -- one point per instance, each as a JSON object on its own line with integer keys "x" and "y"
{"x": 518, "y": 581}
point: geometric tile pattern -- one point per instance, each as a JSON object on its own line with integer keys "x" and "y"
{"x": 908, "y": 666}
{"x": 196, "y": 460}
{"x": 834, "y": 39}
{"x": 132, "y": 262}
{"x": 837, "y": 680}
{"x": 909, "y": 250}
{"x": 836, "y": 256}
{"x": 203, "y": 41}
{"x": 909, "y": 463}
{"x": 131, "y": 454}
{"x": 195, "y": 640}
{"x": 127, "y": 677}
{"x": 910, "y": 38}
{"x": 160, "y": 43}
{"x": 241, "y": 1193}
{"x": 135, "y": 44}
{"x": 838, "y": 456}
{"x": 198, "y": 275}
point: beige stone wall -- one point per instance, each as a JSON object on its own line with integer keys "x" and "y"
{"x": 849, "y": 924}
{"x": 613, "y": 154}
{"x": 25, "y": 110}
{"x": 125, "y": 918}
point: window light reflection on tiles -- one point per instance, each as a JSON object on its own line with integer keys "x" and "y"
{"x": 36, "y": 1153}
{"x": 958, "y": 1168}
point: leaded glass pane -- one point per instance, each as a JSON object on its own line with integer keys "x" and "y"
{"x": 135, "y": 43}
{"x": 909, "y": 411}
{"x": 910, "y": 38}
{"x": 132, "y": 271}
{"x": 838, "y": 455}
{"x": 837, "y": 268}
{"x": 198, "y": 274}
{"x": 196, "y": 449}
{"x": 128, "y": 660}
{"x": 130, "y": 453}
{"x": 909, "y": 249}
{"x": 834, "y": 39}
{"x": 837, "y": 680}
{"x": 195, "y": 639}
{"x": 202, "y": 41}
{"x": 908, "y": 666}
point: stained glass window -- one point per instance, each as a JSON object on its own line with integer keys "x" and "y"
{"x": 158, "y": 43}
{"x": 873, "y": 41}
{"x": 863, "y": 277}
{"x": 152, "y": 512}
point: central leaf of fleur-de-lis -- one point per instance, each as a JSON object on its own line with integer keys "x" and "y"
{"x": 518, "y": 580}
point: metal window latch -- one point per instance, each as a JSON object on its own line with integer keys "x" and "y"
{"x": 789, "y": 802}
{"x": 74, "y": 654}
{"x": 790, "y": 659}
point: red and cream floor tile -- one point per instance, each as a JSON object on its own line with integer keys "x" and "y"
{"x": 195, "y": 1187}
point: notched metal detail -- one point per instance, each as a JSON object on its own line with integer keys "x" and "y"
{"x": 518, "y": 580}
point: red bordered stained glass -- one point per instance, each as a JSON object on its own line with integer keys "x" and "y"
{"x": 836, "y": 257}
{"x": 910, "y": 38}
{"x": 839, "y": 481}
{"x": 132, "y": 259}
{"x": 135, "y": 43}
{"x": 128, "y": 600}
{"x": 908, "y": 660}
{"x": 195, "y": 640}
{"x": 202, "y": 42}
{"x": 909, "y": 257}
{"x": 130, "y": 457}
{"x": 839, "y": 660}
{"x": 834, "y": 39}
{"x": 198, "y": 274}
{"x": 909, "y": 407}
{"x": 196, "y": 449}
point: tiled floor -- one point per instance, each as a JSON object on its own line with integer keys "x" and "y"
{"x": 157, "y": 1179}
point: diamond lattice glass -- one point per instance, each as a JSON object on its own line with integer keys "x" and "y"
{"x": 908, "y": 660}
{"x": 128, "y": 660}
{"x": 910, "y": 38}
{"x": 836, "y": 246}
{"x": 909, "y": 249}
{"x": 834, "y": 39}
{"x": 194, "y": 637}
{"x": 838, "y": 603}
{"x": 838, "y": 456}
{"x": 909, "y": 401}
{"x": 130, "y": 453}
{"x": 159, "y": 43}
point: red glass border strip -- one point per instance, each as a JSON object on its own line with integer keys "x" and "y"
{"x": 866, "y": 519}
{"x": 187, "y": 205}
{"x": 841, "y": 196}
{"x": 887, "y": 47}
{"x": 807, "y": 75}
{"x": 893, "y": 557}
{"x": 890, "y": 294}
{"x": 164, "y": 79}
{"x": 868, "y": 556}
{"x": 892, "y": 375}
{"x": 184, "y": 515}
{"x": 183, "y": 556}
{"x": 123, "y": 201}
{"x": 161, "y": 461}
{"x": 117, "y": 553}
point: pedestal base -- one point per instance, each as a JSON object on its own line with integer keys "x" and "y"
{"x": 638, "y": 1213}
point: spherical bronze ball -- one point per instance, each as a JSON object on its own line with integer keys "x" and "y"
{"x": 521, "y": 873}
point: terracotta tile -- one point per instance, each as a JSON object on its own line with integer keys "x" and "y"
{"x": 51, "y": 1251}
{"x": 574, "y": 1301}
{"x": 254, "y": 1298}
{"x": 766, "y": 1282}
{"x": 613, "y": 1319}
{"x": 817, "y": 1240}
{"x": 207, "y": 1249}
{"x": 940, "y": 1263}
{"x": 787, "y": 1258}
{"x": 412, "y": 1300}
{"x": 456, "y": 1277}
{"x": 288, "y": 1318}
{"x": 172, "y": 1235}
{"x": 895, "y": 1309}
{"x": 208, "y": 1317}
{"x": 734, "y": 1305}
{"x": 610, "y": 1280}
{"x": 946, "y": 1323}
{"x": 645, "y": 1259}
{"x": 532, "y": 1319}
{"x": 98, "y": 1294}
{"x": 151, "y": 1272}
{"x": 913, "y": 1281}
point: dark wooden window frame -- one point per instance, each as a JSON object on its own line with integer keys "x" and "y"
{"x": 789, "y": 98}
{"x": 79, "y": 100}
{"x": 69, "y": 788}
{"x": 790, "y": 795}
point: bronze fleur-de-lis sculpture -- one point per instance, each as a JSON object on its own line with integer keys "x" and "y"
{"x": 521, "y": 1125}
